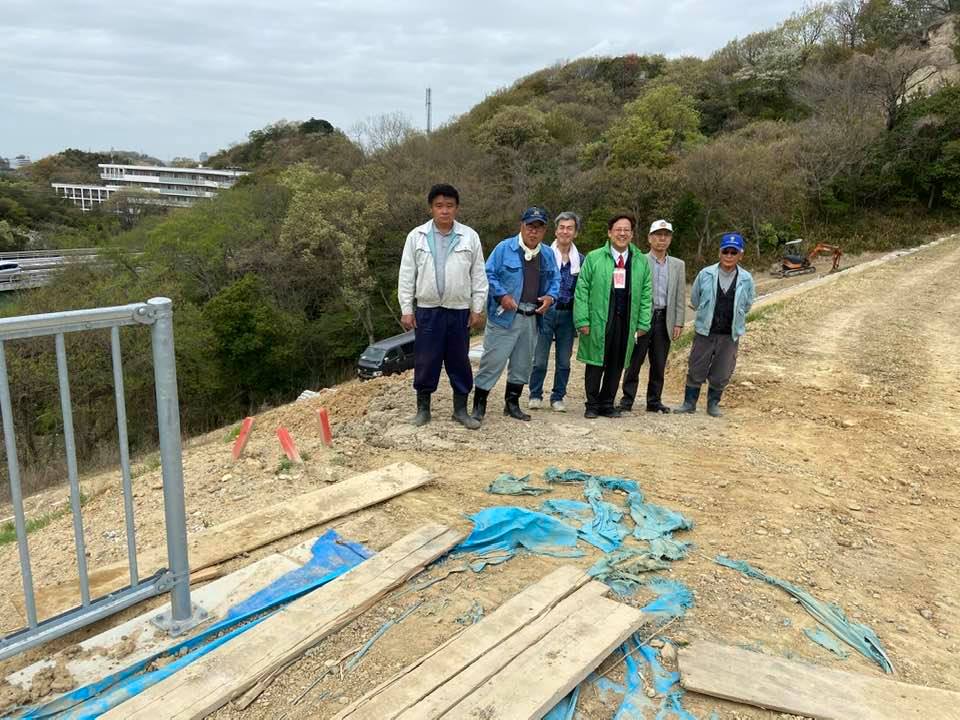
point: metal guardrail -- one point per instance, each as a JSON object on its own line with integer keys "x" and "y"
{"x": 156, "y": 313}
{"x": 25, "y": 254}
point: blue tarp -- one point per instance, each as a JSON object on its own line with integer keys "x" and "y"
{"x": 331, "y": 557}
{"x": 513, "y": 528}
{"x": 673, "y": 598}
{"x": 565, "y": 709}
{"x": 653, "y": 521}
{"x": 622, "y": 569}
{"x": 858, "y": 636}
{"x": 506, "y": 484}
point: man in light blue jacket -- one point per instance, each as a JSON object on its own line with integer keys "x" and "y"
{"x": 722, "y": 295}
{"x": 524, "y": 283}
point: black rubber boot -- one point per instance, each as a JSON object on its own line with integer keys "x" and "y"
{"x": 690, "y": 397}
{"x": 460, "y": 413}
{"x": 479, "y": 403}
{"x": 423, "y": 409}
{"x": 511, "y": 405}
{"x": 713, "y": 402}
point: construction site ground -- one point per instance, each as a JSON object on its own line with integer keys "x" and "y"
{"x": 836, "y": 466}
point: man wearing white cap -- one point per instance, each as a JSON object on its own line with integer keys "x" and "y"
{"x": 669, "y": 314}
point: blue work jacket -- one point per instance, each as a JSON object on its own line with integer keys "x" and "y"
{"x": 505, "y": 275}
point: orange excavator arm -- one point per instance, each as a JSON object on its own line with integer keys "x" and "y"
{"x": 825, "y": 249}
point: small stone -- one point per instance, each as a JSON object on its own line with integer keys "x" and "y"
{"x": 760, "y": 531}
{"x": 226, "y": 478}
{"x": 785, "y": 531}
{"x": 669, "y": 653}
{"x": 848, "y": 423}
{"x": 822, "y": 491}
{"x": 391, "y": 611}
{"x": 915, "y": 501}
{"x": 651, "y": 692}
{"x": 329, "y": 663}
{"x": 901, "y": 628}
{"x": 844, "y": 542}
{"x": 722, "y": 484}
{"x": 854, "y": 507}
{"x": 343, "y": 700}
{"x": 656, "y": 643}
{"x": 925, "y": 613}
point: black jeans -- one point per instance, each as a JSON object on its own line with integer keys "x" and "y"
{"x": 656, "y": 344}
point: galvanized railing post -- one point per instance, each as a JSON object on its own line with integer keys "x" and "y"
{"x": 182, "y": 613}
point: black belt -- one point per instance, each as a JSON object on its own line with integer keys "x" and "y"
{"x": 526, "y": 313}
{"x": 564, "y": 306}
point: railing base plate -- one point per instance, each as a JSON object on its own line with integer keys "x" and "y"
{"x": 175, "y": 628}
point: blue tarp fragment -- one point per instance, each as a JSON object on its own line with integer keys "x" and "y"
{"x": 858, "y": 636}
{"x": 635, "y": 702}
{"x": 506, "y": 484}
{"x": 653, "y": 521}
{"x": 622, "y": 569}
{"x": 330, "y": 553}
{"x": 565, "y": 709}
{"x": 605, "y": 527}
{"x": 827, "y": 641}
{"x": 669, "y": 549}
{"x": 593, "y": 527}
{"x": 673, "y": 598}
{"x": 513, "y": 528}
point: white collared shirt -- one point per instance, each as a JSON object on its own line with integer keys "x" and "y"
{"x": 616, "y": 255}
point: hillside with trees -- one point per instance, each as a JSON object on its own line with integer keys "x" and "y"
{"x": 841, "y": 124}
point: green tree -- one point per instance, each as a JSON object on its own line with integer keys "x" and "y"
{"x": 654, "y": 128}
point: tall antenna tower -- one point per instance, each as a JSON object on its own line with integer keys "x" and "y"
{"x": 429, "y": 109}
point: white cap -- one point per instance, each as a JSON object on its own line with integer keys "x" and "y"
{"x": 661, "y": 225}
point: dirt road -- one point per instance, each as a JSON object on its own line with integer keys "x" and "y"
{"x": 835, "y": 467}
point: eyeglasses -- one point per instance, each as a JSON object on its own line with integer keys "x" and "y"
{"x": 730, "y": 251}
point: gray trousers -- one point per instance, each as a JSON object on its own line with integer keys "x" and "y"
{"x": 514, "y": 345}
{"x": 712, "y": 358}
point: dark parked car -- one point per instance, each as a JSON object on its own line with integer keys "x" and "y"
{"x": 386, "y": 357}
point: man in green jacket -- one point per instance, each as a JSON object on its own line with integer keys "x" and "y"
{"x": 612, "y": 307}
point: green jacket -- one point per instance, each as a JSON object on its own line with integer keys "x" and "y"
{"x": 592, "y": 301}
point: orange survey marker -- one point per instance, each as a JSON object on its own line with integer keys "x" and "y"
{"x": 245, "y": 427}
{"x": 325, "y": 435}
{"x": 289, "y": 448}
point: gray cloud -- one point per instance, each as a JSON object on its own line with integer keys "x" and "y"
{"x": 184, "y": 77}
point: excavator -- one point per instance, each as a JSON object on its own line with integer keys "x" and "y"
{"x": 792, "y": 263}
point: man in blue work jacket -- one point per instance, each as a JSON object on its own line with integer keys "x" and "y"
{"x": 722, "y": 294}
{"x": 524, "y": 283}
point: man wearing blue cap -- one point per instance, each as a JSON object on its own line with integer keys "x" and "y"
{"x": 722, "y": 295}
{"x": 524, "y": 283}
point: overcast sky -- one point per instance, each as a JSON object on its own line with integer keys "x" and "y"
{"x": 180, "y": 77}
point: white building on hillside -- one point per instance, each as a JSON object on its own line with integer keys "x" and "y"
{"x": 175, "y": 187}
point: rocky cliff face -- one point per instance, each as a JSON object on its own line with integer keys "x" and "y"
{"x": 940, "y": 42}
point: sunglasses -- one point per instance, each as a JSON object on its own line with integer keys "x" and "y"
{"x": 730, "y": 251}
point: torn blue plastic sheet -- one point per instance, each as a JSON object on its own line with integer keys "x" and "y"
{"x": 513, "y": 528}
{"x": 506, "y": 484}
{"x": 653, "y": 521}
{"x": 565, "y": 709}
{"x": 605, "y": 528}
{"x": 607, "y": 482}
{"x": 635, "y": 702}
{"x": 858, "y": 636}
{"x": 329, "y": 553}
{"x": 479, "y": 562}
{"x": 666, "y": 548}
{"x": 673, "y": 598}
{"x": 622, "y": 569}
{"x": 592, "y": 527}
{"x": 826, "y": 640}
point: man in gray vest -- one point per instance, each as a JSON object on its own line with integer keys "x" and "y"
{"x": 669, "y": 314}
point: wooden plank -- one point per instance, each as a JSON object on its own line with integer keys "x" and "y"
{"x": 797, "y": 688}
{"x": 438, "y": 667}
{"x": 228, "y": 671}
{"x": 222, "y": 542}
{"x": 529, "y": 686}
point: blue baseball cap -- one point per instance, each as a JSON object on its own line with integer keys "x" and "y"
{"x": 534, "y": 214}
{"x": 732, "y": 240}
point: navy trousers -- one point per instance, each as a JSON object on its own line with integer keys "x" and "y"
{"x": 442, "y": 340}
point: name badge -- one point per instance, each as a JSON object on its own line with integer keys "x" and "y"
{"x": 619, "y": 278}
